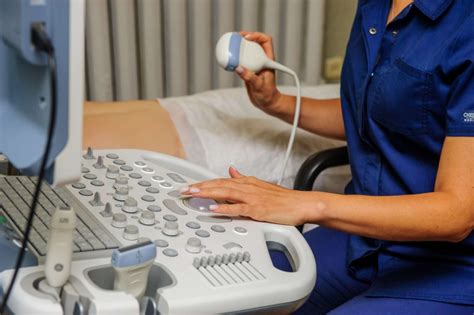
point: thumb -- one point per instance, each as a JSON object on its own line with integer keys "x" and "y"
{"x": 234, "y": 173}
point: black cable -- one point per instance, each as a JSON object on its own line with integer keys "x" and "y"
{"x": 42, "y": 42}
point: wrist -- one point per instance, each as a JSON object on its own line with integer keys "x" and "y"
{"x": 277, "y": 104}
{"x": 315, "y": 207}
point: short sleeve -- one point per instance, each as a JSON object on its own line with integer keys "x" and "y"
{"x": 458, "y": 69}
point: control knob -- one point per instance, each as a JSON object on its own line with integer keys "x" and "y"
{"x": 171, "y": 228}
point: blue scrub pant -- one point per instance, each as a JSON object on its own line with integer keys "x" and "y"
{"x": 337, "y": 292}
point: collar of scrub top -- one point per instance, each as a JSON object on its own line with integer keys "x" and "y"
{"x": 433, "y": 9}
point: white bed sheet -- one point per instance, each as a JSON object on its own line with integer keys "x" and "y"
{"x": 221, "y": 128}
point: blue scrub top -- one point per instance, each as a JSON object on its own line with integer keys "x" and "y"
{"x": 405, "y": 87}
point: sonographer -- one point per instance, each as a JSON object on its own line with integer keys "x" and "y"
{"x": 401, "y": 238}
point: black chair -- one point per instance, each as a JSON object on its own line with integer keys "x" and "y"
{"x": 313, "y": 166}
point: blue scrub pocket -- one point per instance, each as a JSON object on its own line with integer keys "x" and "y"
{"x": 403, "y": 95}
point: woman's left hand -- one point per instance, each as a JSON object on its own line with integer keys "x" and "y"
{"x": 251, "y": 197}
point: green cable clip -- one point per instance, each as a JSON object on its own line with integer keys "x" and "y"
{"x": 2, "y": 219}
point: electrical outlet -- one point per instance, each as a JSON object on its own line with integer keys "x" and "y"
{"x": 333, "y": 68}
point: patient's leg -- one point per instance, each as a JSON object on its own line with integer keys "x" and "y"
{"x": 133, "y": 124}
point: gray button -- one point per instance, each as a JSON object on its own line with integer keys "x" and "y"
{"x": 78, "y": 185}
{"x": 97, "y": 183}
{"x": 112, "y": 172}
{"x": 130, "y": 233}
{"x": 214, "y": 219}
{"x": 199, "y": 204}
{"x": 126, "y": 168}
{"x": 170, "y": 228}
{"x": 147, "y": 218}
{"x": 144, "y": 183}
{"x": 121, "y": 194}
{"x": 158, "y": 179}
{"x": 107, "y": 212}
{"x": 119, "y": 162}
{"x": 135, "y": 175}
{"x": 148, "y": 170}
{"x": 100, "y": 163}
{"x": 85, "y": 170}
{"x": 174, "y": 193}
{"x": 89, "y": 155}
{"x": 166, "y": 185}
{"x": 90, "y": 176}
{"x": 130, "y": 205}
{"x": 154, "y": 208}
{"x": 170, "y": 252}
{"x": 121, "y": 182}
{"x": 372, "y": 31}
{"x": 86, "y": 192}
{"x": 240, "y": 230}
{"x": 173, "y": 206}
{"x": 112, "y": 156}
{"x": 119, "y": 220}
{"x": 176, "y": 178}
{"x": 218, "y": 228}
{"x": 193, "y": 245}
{"x": 231, "y": 245}
{"x": 140, "y": 163}
{"x": 96, "y": 202}
{"x": 148, "y": 198}
{"x": 161, "y": 243}
{"x": 152, "y": 190}
{"x": 58, "y": 267}
{"x": 170, "y": 217}
{"x": 193, "y": 225}
{"x": 203, "y": 233}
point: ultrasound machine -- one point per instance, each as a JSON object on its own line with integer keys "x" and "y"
{"x": 111, "y": 232}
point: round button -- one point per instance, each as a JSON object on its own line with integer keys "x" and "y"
{"x": 152, "y": 190}
{"x": 121, "y": 182}
{"x": 218, "y": 228}
{"x": 148, "y": 198}
{"x": 193, "y": 225}
{"x": 193, "y": 245}
{"x": 112, "y": 156}
{"x": 161, "y": 243}
{"x": 126, "y": 168}
{"x": 148, "y": 170}
{"x": 112, "y": 172}
{"x": 154, "y": 208}
{"x": 97, "y": 183}
{"x": 78, "y": 185}
{"x": 121, "y": 194}
{"x": 170, "y": 228}
{"x": 158, "y": 179}
{"x": 202, "y": 233}
{"x": 119, "y": 162}
{"x": 140, "y": 164}
{"x": 170, "y": 252}
{"x": 86, "y": 192}
{"x": 147, "y": 218}
{"x": 135, "y": 175}
{"x": 372, "y": 31}
{"x": 199, "y": 204}
{"x": 130, "y": 233}
{"x": 144, "y": 183}
{"x": 85, "y": 170}
{"x": 170, "y": 217}
{"x": 119, "y": 220}
{"x": 240, "y": 230}
{"x": 166, "y": 185}
{"x": 90, "y": 176}
{"x": 130, "y": 205}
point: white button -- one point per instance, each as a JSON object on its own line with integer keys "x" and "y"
{"x": 372, "y": 31}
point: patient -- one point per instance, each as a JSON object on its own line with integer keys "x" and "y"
{"x": 213, "y": 129}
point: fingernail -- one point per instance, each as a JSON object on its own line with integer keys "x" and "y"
{"x": 232, "y": 167}
{"x": 213, "y": 207}
{"x": 194, "y": 190}
{"x": 184, "y": 189}
{"x": 239, "y": 70}
{"x": 247, "y": 36}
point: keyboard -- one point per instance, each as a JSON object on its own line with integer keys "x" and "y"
{"x": 206, "y": 263}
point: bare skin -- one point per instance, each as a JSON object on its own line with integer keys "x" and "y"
{"x": 447, "y": 214}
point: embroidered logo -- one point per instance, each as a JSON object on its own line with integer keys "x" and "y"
{"x": 468, "y": 117}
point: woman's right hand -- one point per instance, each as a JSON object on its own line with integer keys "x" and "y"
{"x": 261, "y": 87}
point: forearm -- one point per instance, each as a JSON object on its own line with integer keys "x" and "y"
{"x": 322, "y": 117}
{"x": 438, "y": 216}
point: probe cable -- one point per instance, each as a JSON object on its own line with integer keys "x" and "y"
{"x": 42, "y": 42}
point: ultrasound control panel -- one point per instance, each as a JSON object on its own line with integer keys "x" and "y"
{"x": 206, "y": 263}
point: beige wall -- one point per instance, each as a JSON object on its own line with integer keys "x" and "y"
{"x": 339, "y": 18}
